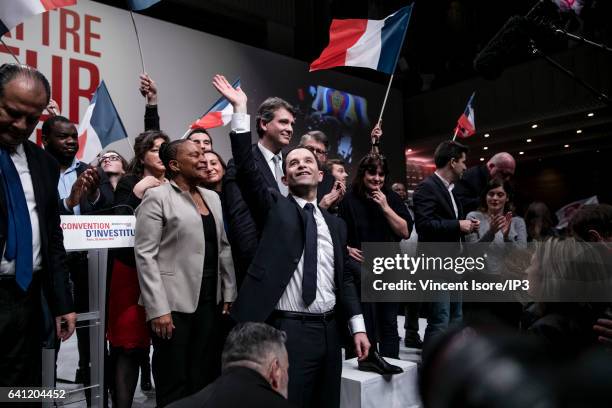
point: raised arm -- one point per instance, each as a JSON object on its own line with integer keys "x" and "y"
{"x": 258, "y": 198}
{"x": 148, "y": 89}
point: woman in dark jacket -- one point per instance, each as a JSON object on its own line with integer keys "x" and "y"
{"x": 374, "y": 213}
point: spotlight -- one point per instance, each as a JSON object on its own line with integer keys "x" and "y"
{"x": 579, "y": 131}
{"x": 591, "y": 114}
{"x": 534, "y": 126}
{"x": 486, "y": 135}
{"x": 485, "y": 148}
{"x": 528, "y": 140}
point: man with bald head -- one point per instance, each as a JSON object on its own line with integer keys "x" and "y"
{"x": 470, "y": 187}
{"x": 31, "y": 241}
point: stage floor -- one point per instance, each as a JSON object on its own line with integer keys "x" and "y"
{"x": 68, "y": 360}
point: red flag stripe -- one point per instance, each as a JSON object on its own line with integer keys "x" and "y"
{"x": 208, "y": 121}
{"x": 343, "y": 34}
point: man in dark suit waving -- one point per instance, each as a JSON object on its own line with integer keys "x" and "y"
{"x": 31, "y": 241}
{"x": 297, "y": 279}
{"x": 439, "y": 218}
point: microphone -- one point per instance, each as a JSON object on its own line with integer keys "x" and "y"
{"x": 509, "y": 44}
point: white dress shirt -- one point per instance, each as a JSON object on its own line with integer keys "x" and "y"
{"x": 449, "y": 187}
{"x": 21, "y": 164}
{"x": 325, "y": 299}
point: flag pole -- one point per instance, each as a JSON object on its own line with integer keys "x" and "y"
{"x": 399, "y": 51}
{"x": 138, "y": 40}
{"x": 455, "y": 135}
{"x": 10, "y": 51}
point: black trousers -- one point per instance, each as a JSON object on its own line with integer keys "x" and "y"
{"x": 191, "y": 359}
{"x": 20, "y": 334}
{"x": 381, "y": 326}
{"x": 315, "y": 361}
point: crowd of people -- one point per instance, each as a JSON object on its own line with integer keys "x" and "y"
{"x": 245, "y": 276}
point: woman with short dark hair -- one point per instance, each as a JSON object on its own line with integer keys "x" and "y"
{"x": 185, "y": 270}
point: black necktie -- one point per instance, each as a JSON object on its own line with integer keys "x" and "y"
{"x": 309, "y": 277}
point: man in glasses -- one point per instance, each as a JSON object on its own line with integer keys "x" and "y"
{"x": 475, "y": 179}
{"x": 330, "y": 191}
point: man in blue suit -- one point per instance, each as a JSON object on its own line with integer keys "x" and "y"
{"x": 298, "y": 281}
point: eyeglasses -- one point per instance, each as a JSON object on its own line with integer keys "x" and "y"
{"x": 319, "y": 151}
{"x": 109, "y": 158}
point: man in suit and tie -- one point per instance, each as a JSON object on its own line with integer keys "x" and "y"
{"x": 35, "y": 299}
{"x": 82, "y": 190}
{"x": 439, "y": 217}
{"x": 298, "y": 279}
{"x": 275, "y": 119}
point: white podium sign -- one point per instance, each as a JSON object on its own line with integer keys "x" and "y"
{"x": 83, "y": 232}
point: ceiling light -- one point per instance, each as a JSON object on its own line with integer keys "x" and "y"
{"x": 591, "y": 114}
{"x": 534, "y": 126}
{"x": 528, "y": 140}
{"x": 521, "y": 152}
{"x": 579, "y": 131}
{"x": 485, "y": 148}
{"x": 482, "y": 159}
{"x": 486, "y": 135}
{"x": 566, "y": 146}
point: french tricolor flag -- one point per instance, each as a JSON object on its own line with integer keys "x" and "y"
{"x": 374, "y": 44}
{"x": 13, "y": 12}
{"x": 101, "y": 126}
{"x": 466, "y": 125}
{"x": 220, "y": 114}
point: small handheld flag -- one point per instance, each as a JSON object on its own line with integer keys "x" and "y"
{"x": 466, "y": 125}
{"x": 220, "y": 114}
{"x": 100, "y": 126}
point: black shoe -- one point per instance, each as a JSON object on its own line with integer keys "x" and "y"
{"x": 412, "y": 342}
{"x": 377, "y": 364}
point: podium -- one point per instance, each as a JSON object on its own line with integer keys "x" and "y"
{"x": 362, "y": 389}
{"x": 94, "y": 234}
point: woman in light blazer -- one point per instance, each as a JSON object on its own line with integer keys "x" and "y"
{"x": 185, "y": 270}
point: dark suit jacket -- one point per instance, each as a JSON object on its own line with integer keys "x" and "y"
{"x": 45, "y": 175}
{"x": 242, "y": 232}
{"x": 106, "y": 195}
{"x": 237, "y": 387}
{"x": 471, "y": 186}
{"x": 282, "y": 244}
{"x": 435, "y": 219}
{"x": 267, "y": 177}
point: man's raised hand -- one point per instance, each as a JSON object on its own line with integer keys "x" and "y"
{"x": 235, "y": 96}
